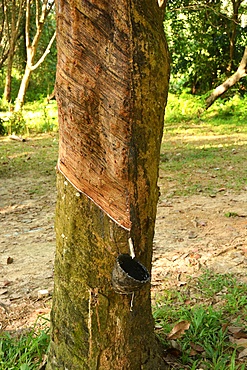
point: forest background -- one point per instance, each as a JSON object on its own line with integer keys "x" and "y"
{"x": 206, "y": 39}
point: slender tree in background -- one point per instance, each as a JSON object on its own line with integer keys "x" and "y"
{"x": 4, "y": 47}
{"x": 14, "y": 11}
{"x": 112, "y": 83}
{"x": 232, "y": 30}
{"x": 42, "y": 10}
{"x": 221, "y": 89}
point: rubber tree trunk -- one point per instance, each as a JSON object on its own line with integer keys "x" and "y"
{"x": 112, "y": 82}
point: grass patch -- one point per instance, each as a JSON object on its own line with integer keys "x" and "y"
{"x": 215, "y": 306}
{"x": 38, "y": 153}
{"x": 34, "y": 158}
{"x": 41, "y": 117}
{"x": 23, "y": 351}
{"x": 206, "y": 152}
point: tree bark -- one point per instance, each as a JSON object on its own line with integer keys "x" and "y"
{"x": 221, "y": 89}
{"x": 111, "y": 89}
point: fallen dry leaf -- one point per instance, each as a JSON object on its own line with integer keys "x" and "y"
{"x": 242, "y": 354}
{"x": 242, "y": 342}
{"x": 237, "y": 332}
{"x": 174, "y": 352}
{"x": 197, "y": 347}
{"x": 224, "y": 327}
{"x": 195, "y": 256}
{"x": 221, "y": 189}
{"x": 178, "y": 330}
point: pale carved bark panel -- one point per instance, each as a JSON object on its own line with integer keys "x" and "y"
{"x": 94, "y": 93}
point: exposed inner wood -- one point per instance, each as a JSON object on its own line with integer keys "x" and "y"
{"x": 94, "y": 159}
{"x": 111, "y": 92}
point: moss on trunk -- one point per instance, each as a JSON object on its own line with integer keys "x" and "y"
{"x": 109, "y": 130}
{"x": 92, "y": 326}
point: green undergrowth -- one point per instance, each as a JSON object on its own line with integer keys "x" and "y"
{"x": 36, "y": 117}
{"x": 203, "y": 151}
{"x": 202, "y": 325}
{"x": 24, "y": 351}
{"x": 208, "y": 316}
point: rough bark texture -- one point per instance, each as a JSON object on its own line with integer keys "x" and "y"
{"x": 116, "y": 53}
{"x": 93, "y": 327}
{"x": 112, "y": 81}
{"x": 221, "y": 89}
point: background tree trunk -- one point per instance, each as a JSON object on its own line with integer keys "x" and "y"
{"x": 43, "y": 9}
{"x": 112, "y": 83}
{"x": 13, "y": 12}
{"x": 8, "y": 79}
{"x": 232, "y": 33}
{"x": 221, "y": 89}
{"x": 23, "y": 88}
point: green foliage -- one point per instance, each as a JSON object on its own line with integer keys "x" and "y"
{"x": 182, "y": 107}
{"x": 25, "y": 351}
{"x": 16, "y": 124}
{"x": 199, "y": 38}
{"x": 36, "y": 117}
{"x": 41, "y": 116}
{"x": 43, "y": 78}
{"x": 212, "y": 284}
{"x": 48, "y": 123}
{"x": 209, "y": 304}
{"x": 231, "y": 214}
{"x": 3, "y": 130}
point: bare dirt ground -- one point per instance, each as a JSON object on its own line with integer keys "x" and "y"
{"x": 200, "y": 232}
{"x": 192, "y": 233}
{"x": 27, "y": 247}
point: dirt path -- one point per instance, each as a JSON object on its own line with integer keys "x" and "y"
{"x": 201, "y": 232}
{"x": 27, "y": 246}
{"x": 191, "y": 233}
